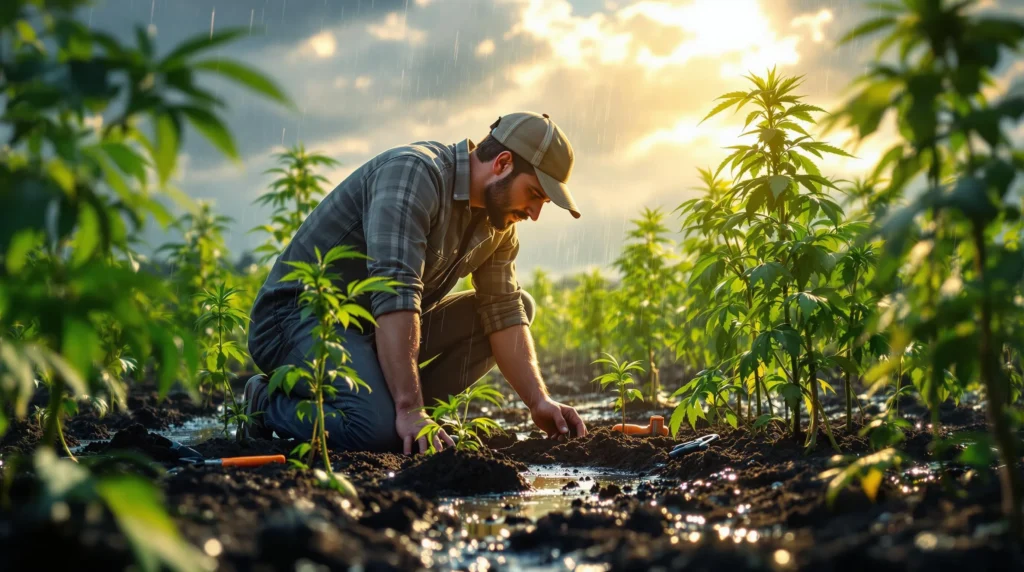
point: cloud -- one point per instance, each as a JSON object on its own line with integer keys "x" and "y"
{"x": 323, "y": 44}
{"x": 628, "y": 83}
{"x": 485, "y": 48}
{"x": 816, "y": 23}
{"x": 395, "y": 29}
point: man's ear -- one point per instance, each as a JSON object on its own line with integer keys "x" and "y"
{"x": 502, "y": 163}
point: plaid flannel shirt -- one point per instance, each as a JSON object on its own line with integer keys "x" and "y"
{"x": 407, "y": 209}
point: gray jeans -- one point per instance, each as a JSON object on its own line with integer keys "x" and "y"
{"x": 365, "y": 420}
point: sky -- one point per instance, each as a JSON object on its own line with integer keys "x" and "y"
{"x": 628, "y": 82}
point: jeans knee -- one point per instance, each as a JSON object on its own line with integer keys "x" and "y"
{"x": 369, "y": 429}
{"x": 529, "y": 305}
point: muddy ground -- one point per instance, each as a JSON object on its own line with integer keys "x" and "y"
{"x": 752, "y": 501}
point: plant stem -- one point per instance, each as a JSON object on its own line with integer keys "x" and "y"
{"x": 795, "y": 372}
{"x": 52, "y": 428}
{"x": 622, "y": 399}
{"x": 63, "y": 442}
{"x": 849, "y": 355}
{"x": 322, "y": 435}
{"x": 223, "y": 373}
{"x": 899, "y": 380}
{"x": 1009, "y": 476}
{"x": 849, "y": 404}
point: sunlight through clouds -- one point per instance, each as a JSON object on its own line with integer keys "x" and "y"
{"x": 716, "y": 29}
{"x": 485, "y": 48}
{"x": 816, "y": 22}
{"x": 323, "y": 44}
{"x": 395, "y": 29}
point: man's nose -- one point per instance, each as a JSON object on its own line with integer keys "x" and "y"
{"x": 534, "y": 210}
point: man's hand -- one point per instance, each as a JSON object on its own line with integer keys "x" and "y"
{"x": 556, "y": 419}
{"x": 409, "y": 423}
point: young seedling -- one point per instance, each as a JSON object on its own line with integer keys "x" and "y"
{"x": 453, "y": 416}
{"x": 220, "y": 318}
{"x": 620, "y": 379}
{"x": 335, "y": 309}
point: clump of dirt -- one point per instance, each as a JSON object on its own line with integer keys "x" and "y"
{"x": 87, "y": 428}
{"x": 609, "y": 491}
{"x": 369, "y": 468}
{"x": 499, "y": 439}
{"x": 461, "y": 473}
{"x": 137, "y": 438}
{"x": 601, "y": 448}
{"x": 22, "y": 437}
{"x": 218, "y": 447}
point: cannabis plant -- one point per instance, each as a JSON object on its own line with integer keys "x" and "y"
{"x": 769, "y": 283}
{"x": 648, "y": 272}
{"x": 620, "y": 380}
{"x": 196, "y": 263}
{"x": 453, "y": 416}
{"x": 91, "y": 129}
{"x": 293, "y": 195}
{"x": 334, "y": 309}
{"x": 953, "y": 267}
{"x": 220, "y": 319}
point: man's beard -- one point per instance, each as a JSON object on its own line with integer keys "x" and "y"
{"x": 496, "y": 200}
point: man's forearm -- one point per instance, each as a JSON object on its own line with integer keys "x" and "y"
{"x": 398, "y": 340}
{"x": 516, "y": 358}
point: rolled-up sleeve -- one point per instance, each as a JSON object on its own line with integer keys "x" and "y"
{"x": 403, "y": 197}
{"x": 499, "y": 297}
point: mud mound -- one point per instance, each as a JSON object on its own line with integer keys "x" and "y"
{"x": 22, "y": 437}
{"x": 137, "y": 438}
{"x": 602, "y": 448}
{"x": 369, "y": 467}
{"x": 462, "y": 473}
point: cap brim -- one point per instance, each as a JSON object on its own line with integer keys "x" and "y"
{"x": 558, "y": 192}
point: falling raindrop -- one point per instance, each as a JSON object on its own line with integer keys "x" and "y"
{"x": 456, "y": 47}
{"x": 213, "y": 14}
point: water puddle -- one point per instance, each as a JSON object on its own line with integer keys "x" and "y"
{"x": 489, "y": 520}
{"x": 192, "y": 432}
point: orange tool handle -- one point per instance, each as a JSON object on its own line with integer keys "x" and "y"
{"x": 257, "y": 461}
{"x": 656, "y": 426}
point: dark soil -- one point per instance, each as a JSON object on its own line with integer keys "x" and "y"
{"x": 462, "y": 473}
{"x": 600, "y": 448}
{"x": 751, "y": 501}
{"x": 138, "y": 439}
{"x": 23, "y": 436}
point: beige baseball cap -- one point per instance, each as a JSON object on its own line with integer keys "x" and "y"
{"x": 536, "y": 138}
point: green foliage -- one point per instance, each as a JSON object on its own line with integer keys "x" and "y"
{"x": 777, "y": 270}
{"x": 75, "y": 282}
{"x": 334, "y": 309}
{"x": 952, "y": 267}
{"x": 197, "y": 262}
{"x": 220, "y": 319}
{"x": 91, "y": 130}
{"x": 293, "y": 195}
{"x": 619, "y": 378}
{"x": 453, "y": 417}
{"x": 642, "y": 301}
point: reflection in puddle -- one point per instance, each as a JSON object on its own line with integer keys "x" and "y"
{"x": 488, "y": 520}
{"x": 555, "y": 489}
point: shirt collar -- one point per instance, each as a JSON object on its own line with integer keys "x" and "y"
{"x": 462, "y": 150}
